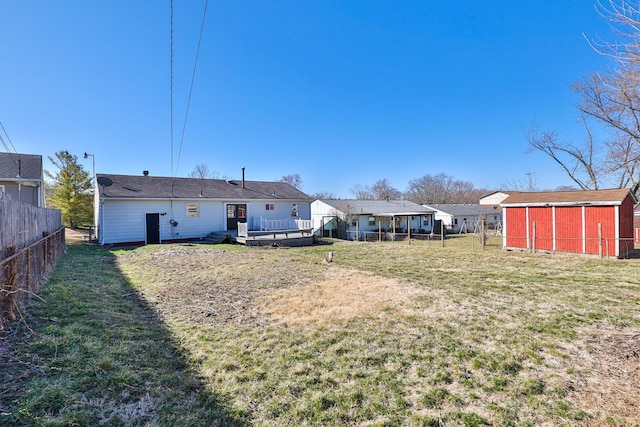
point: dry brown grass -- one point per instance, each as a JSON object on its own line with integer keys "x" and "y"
{"x": 341, "y": 295}
{"x": 607, "y": 360}
{"x": 433, "y": 333}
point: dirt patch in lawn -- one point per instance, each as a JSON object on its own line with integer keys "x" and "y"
{"x": 608, "y": 361}
{"x": 343, "y": 294}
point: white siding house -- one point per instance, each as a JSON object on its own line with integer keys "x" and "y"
{"x": 146, "y": 209}
{"x": 354, "y": 219}
{"x": 21, "y": 177}
{"x": 464, "y": 217}
{"x": 495, "y": 198}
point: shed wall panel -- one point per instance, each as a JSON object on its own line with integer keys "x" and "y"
{"x": 626, "y": 226}
{"x": 516, "y": 220}
{"x": 605, "y": 217}
{"x": 569, "y": 229}
{"x": 542, "y": 239}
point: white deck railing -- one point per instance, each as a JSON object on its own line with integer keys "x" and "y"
{"x": 243, "y": 229}
{"x": 265, "y": 224}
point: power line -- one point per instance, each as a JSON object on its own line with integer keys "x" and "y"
{"x": 171, "y": 78}
{"x": 193, "y": 78}
{"x": 8, "y": 139}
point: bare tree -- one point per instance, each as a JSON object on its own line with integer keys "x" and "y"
{"x": 613, "y": 100}
{"x": 202, "y": 171}
{"x": 362, "y": 192}
{"x": 528, "y": 183}
{"x": 383, "y": 190}
{"x": 565, "y": 188}
{"x": 442, "y": 188}
{"x": 293, "y": 179}
{"x": 624, "y": 20}
{"x": 324, "y": 195}
{"x": 581, "y": 163}
{"x": 610, "y": 99}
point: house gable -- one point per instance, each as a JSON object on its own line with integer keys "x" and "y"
{"x": 21, "y": 177}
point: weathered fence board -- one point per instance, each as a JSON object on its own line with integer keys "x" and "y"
{"x": 31, "y": 240}
{"x": 22, "y": 223}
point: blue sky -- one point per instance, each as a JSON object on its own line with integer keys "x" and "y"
{"x": 341, "y": 92}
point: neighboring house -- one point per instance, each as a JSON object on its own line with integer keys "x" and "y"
{"x": 150, "y": 209}
{"x": 588, "y": 222}
{"x": 351, "y": 219}
{"x": 494, "y": 199}
{"x": 21, "y": 177}
{"x": 463, "y": 218}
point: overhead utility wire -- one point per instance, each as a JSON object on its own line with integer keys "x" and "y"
{"x": 171, "y": 78}
{"x": 8, "y": 139}
{"x": 193, "y": 78}
{"x": 13, "y": 153}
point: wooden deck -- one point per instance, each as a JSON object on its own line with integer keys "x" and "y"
{"x": 289, "y": 237}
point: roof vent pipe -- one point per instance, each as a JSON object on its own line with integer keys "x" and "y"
{"x": 145, "y": 173}
{"x": 243, "y": 177}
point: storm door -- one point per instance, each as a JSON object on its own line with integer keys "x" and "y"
{"x": 153, "y": 228}
{"x": 236, "y": 214}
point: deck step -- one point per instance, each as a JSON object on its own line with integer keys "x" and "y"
{"x": 217, "y": 237}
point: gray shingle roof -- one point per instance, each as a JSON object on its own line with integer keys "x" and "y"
{"x": 160, "y": 187}
{"x": 378, "y": 207}
{"x": 20, "y": 166}
{"x": 463, "y": 209}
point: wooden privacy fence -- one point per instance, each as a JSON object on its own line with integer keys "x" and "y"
{"x": 22, "y": 223}
{"x": 31, "y": 240}
{"x": 22, "y": 272}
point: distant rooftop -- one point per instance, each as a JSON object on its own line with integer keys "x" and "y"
{"x": 457, "y": 209}
{"x": 377, "y": 207}
{"x": 20, "y": 166}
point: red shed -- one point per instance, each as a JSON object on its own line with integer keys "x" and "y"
{"x": 589, "y": 222}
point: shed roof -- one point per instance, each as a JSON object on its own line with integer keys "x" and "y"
{"x": 378, "y": 207}
{"x": 567, "y": 198}
{"x": 160, "y": 187}
{"x": 463, "y": 209}
{"x": 17, "y": 167}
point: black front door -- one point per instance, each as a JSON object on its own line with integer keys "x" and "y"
{"x": 153, "y": 228}
{"x": 236, "y": 214}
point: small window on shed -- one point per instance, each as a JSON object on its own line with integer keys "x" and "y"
{"x": 294, "y": 209}
{"x": 1, "y": 188}
{"x": 354, "y": 222}
{"x": 270, "y": 207}
{"x": 193, "y": 209}
{"x": 425, "y": 220}
{"x": 455, "y": 221}
{"x": 372, "y": 221}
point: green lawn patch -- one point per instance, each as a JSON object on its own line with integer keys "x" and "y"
{"x": 389, "y": 334}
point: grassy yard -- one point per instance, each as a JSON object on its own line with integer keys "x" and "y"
{"x": 389, "y": 334}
